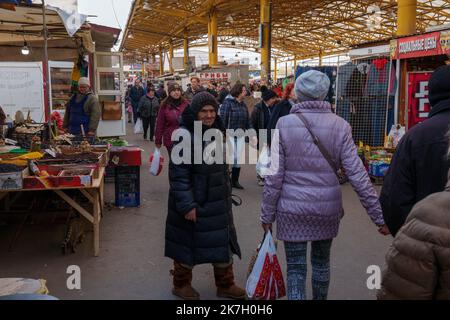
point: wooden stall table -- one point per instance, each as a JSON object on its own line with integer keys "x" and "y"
{"x": 94, "y": 194}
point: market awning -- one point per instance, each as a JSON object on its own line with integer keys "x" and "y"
{"x": 301, "y": 28}
{"x": 25, "y": 23}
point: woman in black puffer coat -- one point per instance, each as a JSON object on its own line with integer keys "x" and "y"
{"x": 199, "y": 226}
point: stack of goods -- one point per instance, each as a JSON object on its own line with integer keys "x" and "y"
{"x": 379, "y": 163}
{"x": 376, "y": 160}
{"x": 24, "y": 133}
{"x": 67, "y": 166}
{"x": 47, "y": 177}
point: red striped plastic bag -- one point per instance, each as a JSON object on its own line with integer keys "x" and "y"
{"x": 265, "y": 281}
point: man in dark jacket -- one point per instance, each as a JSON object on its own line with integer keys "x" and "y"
{"x": 262, "y": 112}
{"x": 199, "y": 226}
{"x": 212, "y": 89}
{"x": 419, "y": 166}
{"x": 82, "y": 111}
{"x": 148, "y": 110}
{"x": 161, "y": 93}
{"x": 195, "y": 88}
{"x": 260, "y": 118}
{"x": 223, "y": 93}
{"x": 136, "y": 93}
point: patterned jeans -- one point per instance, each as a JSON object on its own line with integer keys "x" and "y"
{"x": 296, "y": 253}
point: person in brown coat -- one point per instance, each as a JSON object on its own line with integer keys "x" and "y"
{"x": 418, "y": 262}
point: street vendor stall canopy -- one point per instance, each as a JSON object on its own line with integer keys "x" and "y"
{"x": 23, "y": 22}
{"x": 299, "y": 28}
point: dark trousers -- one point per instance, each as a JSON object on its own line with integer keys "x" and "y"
{"x": 135, "y": 111}
{"x": 149, "y": 122}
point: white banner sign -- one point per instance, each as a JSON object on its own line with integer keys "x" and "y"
{"x": 219, "y": 76}
{"x": 68, "y": 12}
{"x": 21, "y": 88}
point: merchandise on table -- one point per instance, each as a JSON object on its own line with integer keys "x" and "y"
{"x": 24, "y": 134}
{"x": 376, "y": 160}
{"x": 117, "y": 142}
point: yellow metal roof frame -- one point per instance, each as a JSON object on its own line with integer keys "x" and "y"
{"x": 300, "y": 28}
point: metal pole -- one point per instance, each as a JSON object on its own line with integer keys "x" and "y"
{"x": 270, "y": 40}
{"x": 47, "y": 69}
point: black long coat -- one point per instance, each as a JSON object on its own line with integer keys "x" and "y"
{"x": 206, "y": 188}
{"x": 419, "y": 167}
{"x": 283, "y": 108}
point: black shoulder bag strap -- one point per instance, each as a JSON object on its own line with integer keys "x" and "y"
{"x": 319, "y": 145}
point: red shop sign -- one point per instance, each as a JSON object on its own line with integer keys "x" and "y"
{"x": 419, "y": 46}
{"x": 418, "y": 103}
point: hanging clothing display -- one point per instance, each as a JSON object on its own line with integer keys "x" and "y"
{"x": 331, "y": 72}
{"x": 362, "y": 97}
{"x": 344, "y": 74}
{"x": 80, "y": 70}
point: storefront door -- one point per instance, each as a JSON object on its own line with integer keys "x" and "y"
{"x": 110, "y": 88}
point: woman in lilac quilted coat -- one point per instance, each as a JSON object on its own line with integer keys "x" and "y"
{"x": 304, "y": 195}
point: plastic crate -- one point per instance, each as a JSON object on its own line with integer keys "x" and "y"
{"x": 128, "y": 200}
{"x": 127, "y": 186}
{"x": 110, "y": 174}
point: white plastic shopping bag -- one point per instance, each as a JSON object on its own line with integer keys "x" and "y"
{"x": 265, "y": 281}
{"x": 156, "y": 163}
{"x": 396, "y": 134}
{"x": 138, "y": 128}
{"x": 263, "y": 165}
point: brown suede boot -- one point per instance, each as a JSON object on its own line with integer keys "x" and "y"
{"x": 182, "y": 278}
{"x": 225, "y": 284}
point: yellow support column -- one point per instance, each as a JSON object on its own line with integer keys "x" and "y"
{"x": 295, "y": 64}
{"x": 212, "y": 39}
{"x": 161, "y": 62}
{"x": 171, "y": 57}
{"x": 265, "y": 38}
{"x": 153, "y": 63}
{"x": 407, "y": 17}
{"x": 275, "y": 74}
{"x": 186, "y": 50}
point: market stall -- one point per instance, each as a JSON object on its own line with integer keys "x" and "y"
{"x": 40, "y": 75}
{"x": 72, "y": 170}
{"x": 365, "y": 93}
{"x": 418, "y": 56}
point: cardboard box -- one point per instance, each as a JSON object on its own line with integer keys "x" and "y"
{"x": 125, "y": 156}
{"x": 81, "y": 177}
{"x": 11, "y": 180}
{"x": 32, "y": 182}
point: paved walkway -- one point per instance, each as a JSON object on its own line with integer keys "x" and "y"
{"x": 132, "y": 263}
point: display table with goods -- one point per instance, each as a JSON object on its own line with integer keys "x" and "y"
{"x": 377, "y": 161}
{"x": 70, "y": 168}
